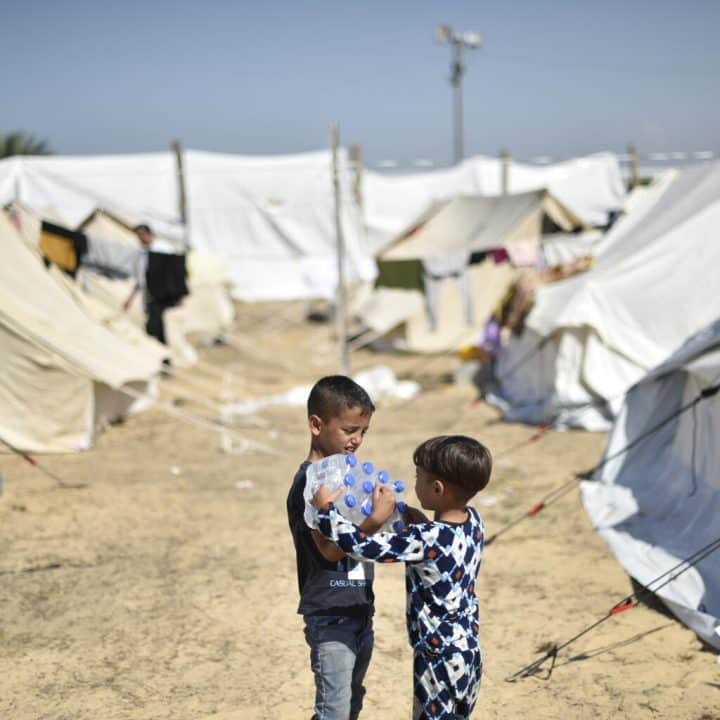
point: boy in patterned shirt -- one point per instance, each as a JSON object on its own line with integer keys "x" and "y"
{"x": 442, "y": 559}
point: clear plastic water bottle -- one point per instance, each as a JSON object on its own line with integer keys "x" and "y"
{"x": 358, "y": 481}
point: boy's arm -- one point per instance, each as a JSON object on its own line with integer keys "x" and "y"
{"x": 405, "y": 546}
{"x": 330, "y": 551}
{"x": 414, "y": 516}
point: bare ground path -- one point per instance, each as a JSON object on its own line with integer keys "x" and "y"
{"x": 166, "y": 588}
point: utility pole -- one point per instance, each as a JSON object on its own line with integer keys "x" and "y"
{"x": 357, "y": 173}
{"x": 634, "y": 179}
{"x": 505, "y": 172}
{"x": 458, "y": 70}
{"x": 458, "y": 42}
{"x": 181, "y": 193}
{"x": 340, "y": 295}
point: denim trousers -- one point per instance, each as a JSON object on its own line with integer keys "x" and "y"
{"x": 340, "y": 650}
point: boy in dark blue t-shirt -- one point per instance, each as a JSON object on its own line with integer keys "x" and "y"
{"x": 336, "y": 595}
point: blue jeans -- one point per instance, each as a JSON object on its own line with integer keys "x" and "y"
{"x": 340, "y": 650}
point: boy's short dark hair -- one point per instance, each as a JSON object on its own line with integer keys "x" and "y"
{"x": 144, "y": 227}
{"x": 458, "y": 460}
{"x": 334, "y": 393}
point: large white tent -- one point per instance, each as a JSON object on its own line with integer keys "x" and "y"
{"x": 659, "y": 503}
{"x": 273, "y": 220}
{"x": 589, "y": 338}
{"x": 270, "y": 219}
{"x": 62, "y": 370}
{"x": 591, "y": 187}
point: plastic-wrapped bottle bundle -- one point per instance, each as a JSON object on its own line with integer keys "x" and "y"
{"x": 357, "y": 481}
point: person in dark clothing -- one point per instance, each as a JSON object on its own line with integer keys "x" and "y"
{"x": 336, "y": 594}
{"x": 161, "y": 277}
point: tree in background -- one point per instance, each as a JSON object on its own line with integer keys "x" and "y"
{"x": 22, "y": 143}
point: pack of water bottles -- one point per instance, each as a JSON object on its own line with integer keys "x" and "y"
{"x": 358, "y": 481}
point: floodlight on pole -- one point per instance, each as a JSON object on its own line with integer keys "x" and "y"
{"x": 458, "y": 41}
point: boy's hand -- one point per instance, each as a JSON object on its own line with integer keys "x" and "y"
{"x": 383, "y": 504}
{"x": 323, "y": 497}
{"x": 415, "y": 516}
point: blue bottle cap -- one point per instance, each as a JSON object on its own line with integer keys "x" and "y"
{"x": 368, "y": 486}
{"x": 349, "y": 480}
{"x": 351, "y": 460}
{"x": 368, "y": 468}
{"x": 398, "y": 526}
{"x": 383, "y": 477}
{"x": 399, "y": 486}
{"x": 401, "y": 507}
{"x": 350, "y": 500}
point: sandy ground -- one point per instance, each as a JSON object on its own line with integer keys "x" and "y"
{"x": 166, "y": 587}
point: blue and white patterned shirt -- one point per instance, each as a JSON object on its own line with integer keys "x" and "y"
{"x": 442, "y": 563}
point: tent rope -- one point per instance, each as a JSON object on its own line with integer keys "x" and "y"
{"x": 547, "y": 500}
{"x": 544, "y": 428}
{"x": 558, "y": 492}
{"x": 627, "y": 603}
{"x": 61, "y": 484}
{"x": 168, "y": 409}
{"x": 539, "y": 433}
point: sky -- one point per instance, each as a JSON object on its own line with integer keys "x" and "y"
{"x": 554, "y": 78}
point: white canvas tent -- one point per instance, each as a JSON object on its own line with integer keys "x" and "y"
{"x": 590, "y": 187}
{"x": 272, "y": 220}
{"x": 467, "y": 224}
{"x": 72, "y": 187}
{"x": 426, "y": 281}
{"x": 269, "y": 219}
{"x": 659, "y": 503}
{"x": 61, "y": 370}
{"x": 207, "y": 311}
{"x": 589, "y": 338}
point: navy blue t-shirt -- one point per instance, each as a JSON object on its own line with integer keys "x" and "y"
{"x": 326, "y": 588}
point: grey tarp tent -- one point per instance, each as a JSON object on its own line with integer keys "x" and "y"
{"x": 659, "y": 503}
